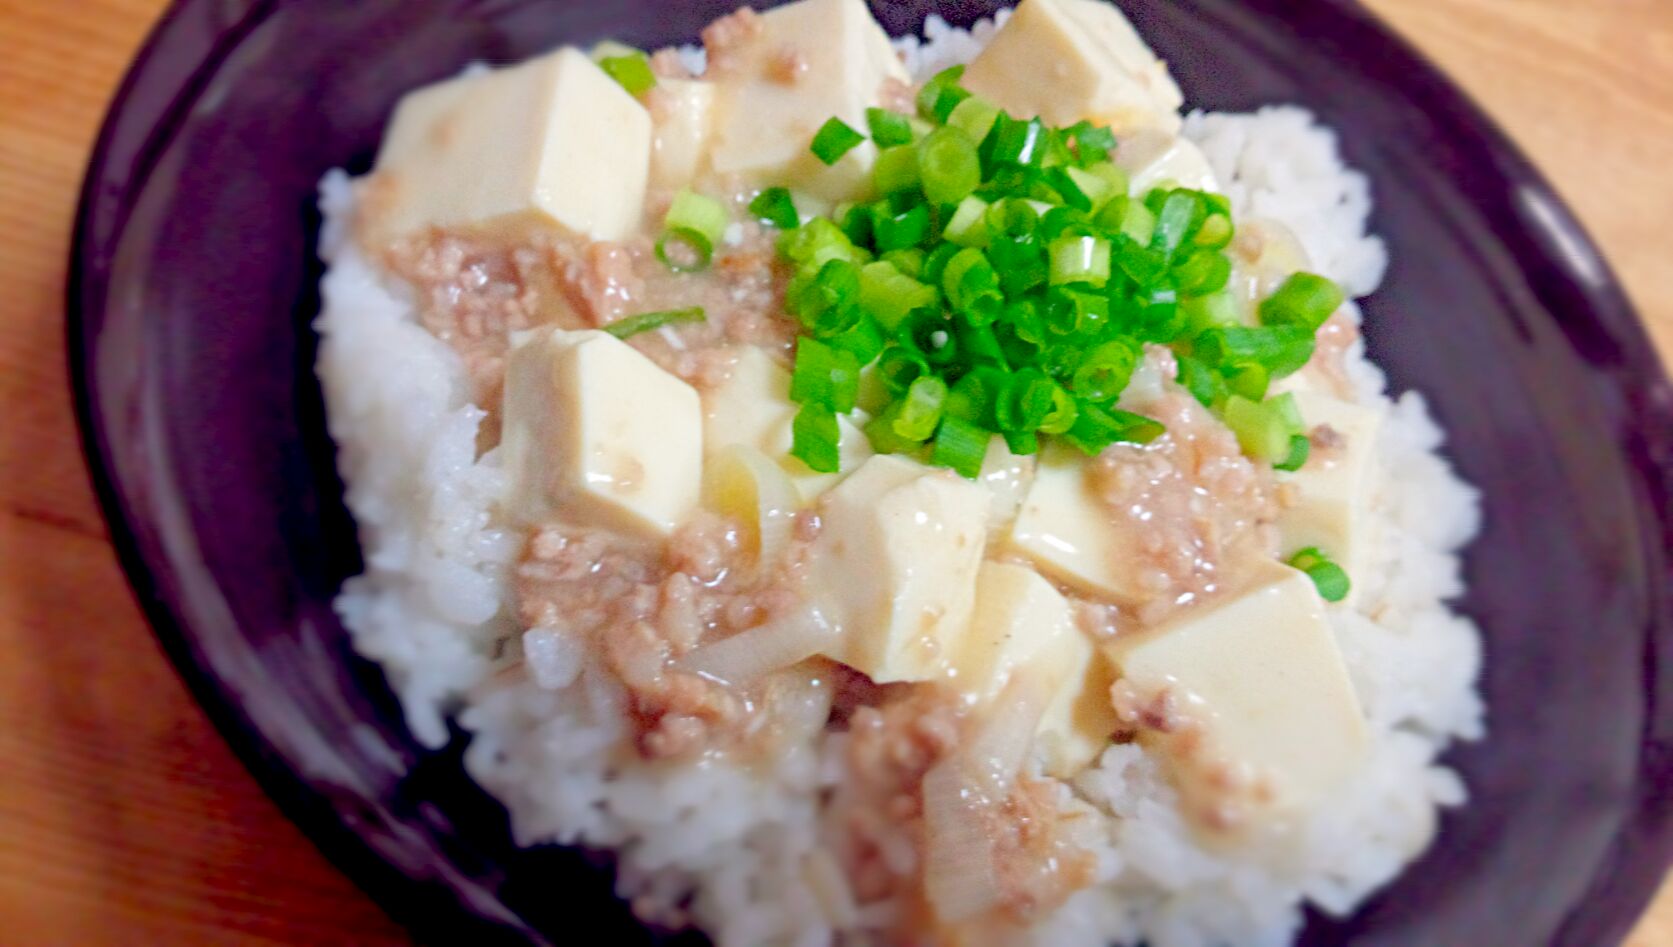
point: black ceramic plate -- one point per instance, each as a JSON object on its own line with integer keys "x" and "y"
{"x": 194, "y": 282}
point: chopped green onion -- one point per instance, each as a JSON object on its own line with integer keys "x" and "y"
{"x": 1204, "y": 383}
{"x": 1330, "y": 578}
{"x": 824, "y": 376}
{"x": 1018, "y": 142}
{"x": 888, "y": 129}
{"x": 1139, "y": 223}
{"x": 899, "y": 231}
{"x": 693, "y": 211}
{"x": 961, "y": 446}
{"x": 1105, "y": 372}
{"x": 968, "y": 228}
{"x": 941, "y": 94}
{"x": 909, "y": 261}
{"x": 684, "y": 250}
{"x": 864, "y": 338}
{"x": 1096, "y": 428}
{"x": 631, "y": 70}
{"x": 816, "y": 438}
{"x": 899, "y": 367}
{"x": 1301, "y": 447}
{"x": 834, "y": 140}
{"x": 1203, "y": 272}
{"x": 889, "y": 295}
{"x": 1263, "y": 429}
{"x": 1063, "y": 412}
{"x": 647, "y": 321}
{"x": 921, "y": 409}
{"x": 775, "y": 206}
{"x": 976, "y": 396}
{"x": 896, "y": 170}
{"x": 975, "y": 116}
{"x": 1093, "y": 143}
{"x": 1215, "y": 310}
{"x": 1181, "y": 213}
{"x": 1304, "y": 300}
{"x": 1080, "y": 260}
{"x": 693, "y": 225}
{"x": 1004, "y": 281}
{"x": 1216, "y": 232}
{"x": 1281, "y": 349}
{"x": 1250, "y": 381}
{"x": 948, "y": 166}
{"x": 825, "y": 301}
{"x": 1285, "y": 408}
{"x": 972, "y": 285}
{"x": 817, "y": 243}
{"x": 880, "y": 431}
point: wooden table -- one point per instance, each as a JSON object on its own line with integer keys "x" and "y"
{"x": 124, "y": 819}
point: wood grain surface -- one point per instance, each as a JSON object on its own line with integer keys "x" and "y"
{"x": 125, "y": 820}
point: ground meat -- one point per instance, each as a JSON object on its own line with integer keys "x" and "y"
{"x": 1220, "y": 794}
{"x": 1330, "y": 357}
{"x": 667, "y": 63}
{"x": 897, "y": 95}
{"x": 725, "y": 39}
{"x": 644, "y": 607}
{"x": 1039, "y": 865}
{"x": 786, "y": 66}
{"x": 875, "y": 815}
{"x": 473, "y": 291}
{"x": 1201, "y": 510}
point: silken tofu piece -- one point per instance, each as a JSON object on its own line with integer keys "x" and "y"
{"x": 1152, "y": 157}
{"x": 1333, "y": 489}
{"x": 1022, "y": 625}
{"x": 752, "y": 407}
{"x": 807, "y": 63}
{"x": 682, "y": 124}
{"x": 550, "y": 142}
{"x": 1266, "y": 718}
{"x": 895, "y": 564}
{"x": 1019, "y": 621}
{"x": 596, "y": 431}
{"x": 1007, "y": 477}
{"x": 1070, "y": 534}
{"x": 1068, "y": 60}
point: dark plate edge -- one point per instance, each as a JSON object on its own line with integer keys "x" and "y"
{"x": 390, "y": 888}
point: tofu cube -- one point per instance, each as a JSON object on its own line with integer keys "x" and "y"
{"x": 682, "y": 122}
{"x": 752, "y": 407}
{"x": 1332, "y": 490}
{"x": 1070, "y": 534}
{"x": 1007, "y": 477}
{"x": 552, "y": 142}
{"x": 1270, "y": 721}
{"x": 1152, "y": 157}
{"x": 596, "y": 431}
{"x": 895, "y": 564}
{"x": 806, "y": 63}
{"x": 1022, "y": 625}
{"x": 1069, "y": 60}
{"x": 1019, "y": 620}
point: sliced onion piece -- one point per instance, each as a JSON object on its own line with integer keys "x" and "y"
{"x": 743, "y": 484}
{"x": 962, "y": 795}
{"x": 960, "y": 877}
{"x": 996, "y": 752}
{"x": 749, "y": 655}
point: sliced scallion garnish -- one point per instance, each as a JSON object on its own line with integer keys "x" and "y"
{"x": 648, "y": 321}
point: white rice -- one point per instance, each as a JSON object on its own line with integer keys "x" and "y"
{"x": 729, "y": 849}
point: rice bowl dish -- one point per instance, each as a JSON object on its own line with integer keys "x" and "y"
{"x": 1160, "y": 661}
